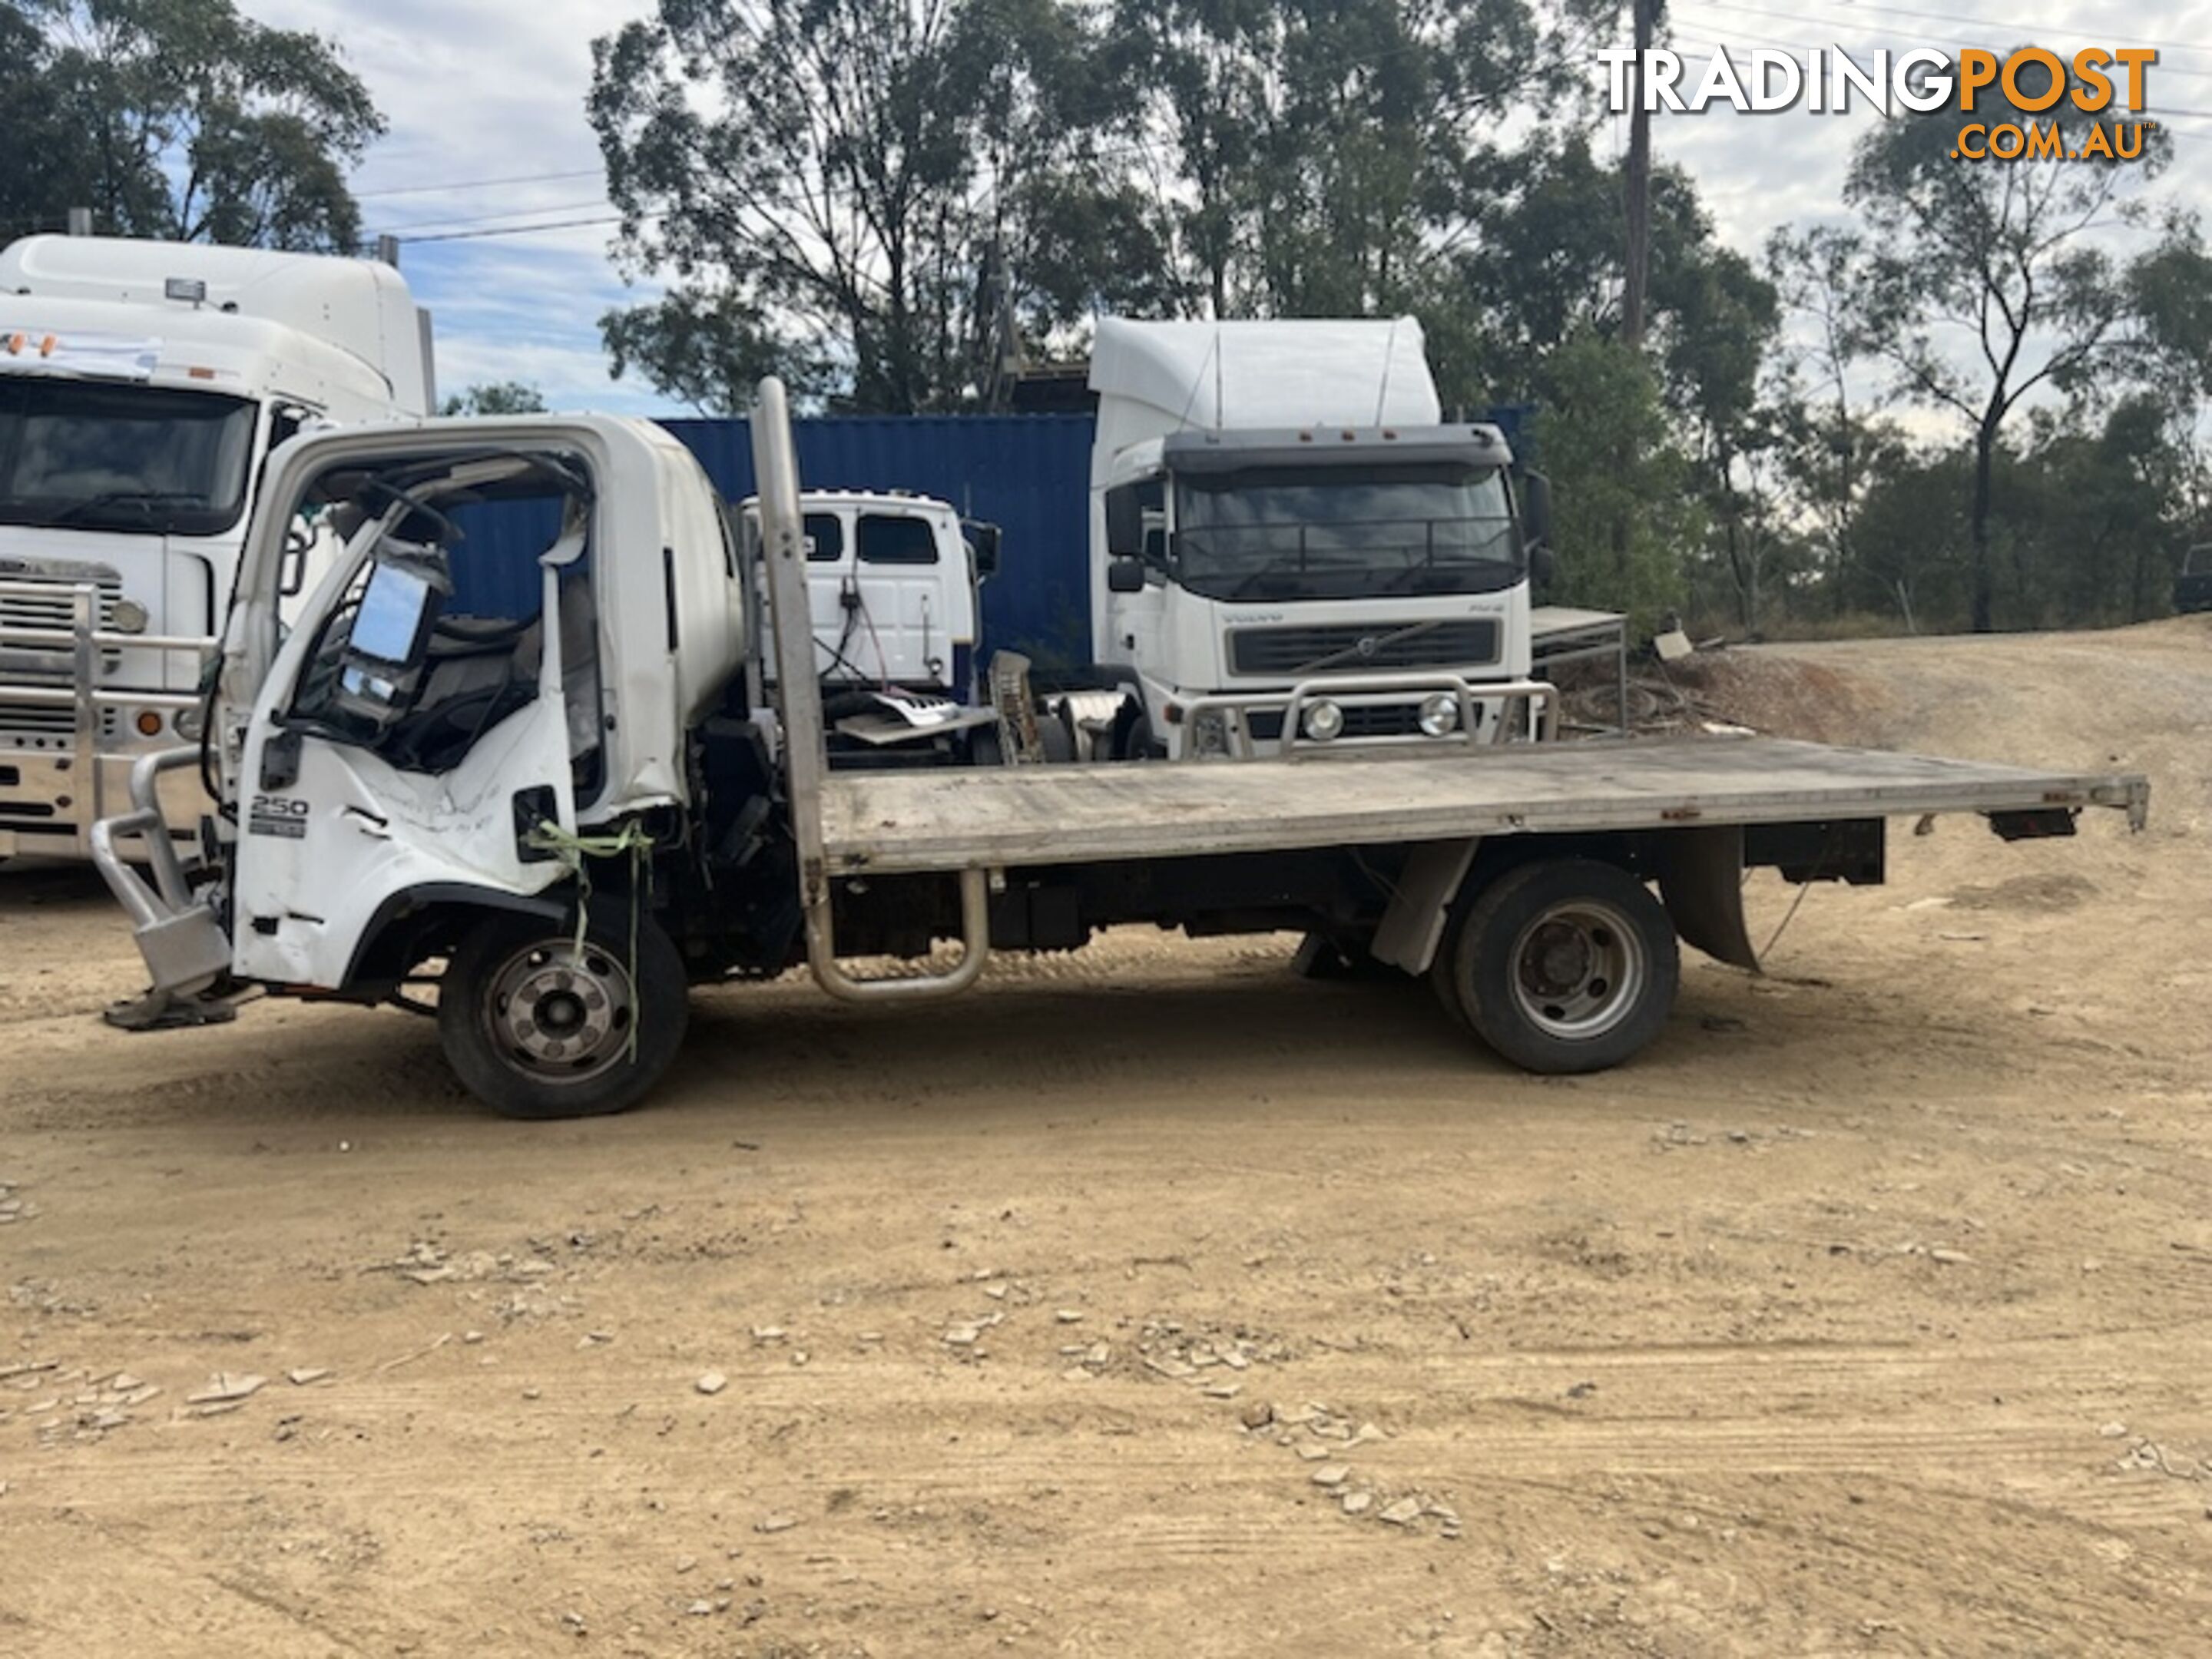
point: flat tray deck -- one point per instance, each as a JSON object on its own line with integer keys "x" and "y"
{"x": 1018, "y": 817}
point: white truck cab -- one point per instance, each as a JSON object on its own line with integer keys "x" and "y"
{"x": 141, "y": 385}
{"x": 1277, "y": 506}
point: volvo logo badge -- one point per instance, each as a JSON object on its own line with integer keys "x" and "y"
{"x": 1369, "y": 646}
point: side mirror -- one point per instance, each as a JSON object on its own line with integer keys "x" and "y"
{"x": 983, "y": 542}
{"x": 1536, "y": 510}
{"x": 1125, "y": 520}
{"x": 1543, "y": 566}
{"x": 1125, "y": 575}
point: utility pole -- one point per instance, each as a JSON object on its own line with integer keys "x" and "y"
{"x": 1639, "y": 181}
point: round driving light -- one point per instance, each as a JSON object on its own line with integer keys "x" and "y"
{"x": 1439, "y": 716}
{"x": 1324, "y": 722}
{"x": 189, "y": 723}
{"x": 128, "y": 617}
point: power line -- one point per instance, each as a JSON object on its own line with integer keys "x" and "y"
{"x": 516, "y": 230}
{"x": 1799, "y": 18}
{"x": 475, "y": 183}
{"x": 472, "y": 221}
{"x": 2004, "y": 23}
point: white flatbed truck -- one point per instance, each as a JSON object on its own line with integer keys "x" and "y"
{"x": 625, "y": 813}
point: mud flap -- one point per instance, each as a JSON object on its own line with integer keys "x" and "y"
{"x": 1701, "y": 879}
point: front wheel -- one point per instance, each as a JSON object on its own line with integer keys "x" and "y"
{"x": 1569, "y": 966}
{"x": 538, "y": 1027}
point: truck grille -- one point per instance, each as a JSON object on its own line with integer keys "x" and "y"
{"x": 45, "y": 724}
{"x": 57, "y": 609}
{"x": 1354, "y": 647}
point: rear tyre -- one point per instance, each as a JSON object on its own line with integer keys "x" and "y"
{"x": 1565, "y": 966}
{"x": 538, "y": 1029}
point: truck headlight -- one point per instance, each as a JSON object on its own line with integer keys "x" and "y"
{"x": 190, "y": 723}
{"x": 128, "y": 617}
{"x": 1209, "y": 734}
{"x": 1324, "y": 722}
{"x": 1439, "y": 716}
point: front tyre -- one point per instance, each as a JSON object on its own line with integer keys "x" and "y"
{"x": 539, "y": 1029}
{"x": 1569, "y": 966}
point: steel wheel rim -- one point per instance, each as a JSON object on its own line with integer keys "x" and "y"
{"x": 561, "y": 1013}
{"x": 1579, "y": 970}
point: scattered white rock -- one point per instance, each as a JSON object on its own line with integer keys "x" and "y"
{"x": 1358, "y": 1503}
{"x": 1068, "y": 1315}
{"x": 711, "y": 1382}
{"x": 1956, "y": 1258}
{"x": 299, "y": 1376}
{"x": 776, "y": 1523}
{"x": 1403, "y": 1513}
{"x": 227, "y": 1388}
{"x": 1331, "y": 1474}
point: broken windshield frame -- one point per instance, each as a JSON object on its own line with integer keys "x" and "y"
{"x": 1346, "y": 532}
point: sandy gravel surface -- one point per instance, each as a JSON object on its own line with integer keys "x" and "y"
{"x": 1869, "y": 1313}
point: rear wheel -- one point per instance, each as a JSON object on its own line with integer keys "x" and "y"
{"x": 1565, "y": 966}
{"x": 539, "y": 1028}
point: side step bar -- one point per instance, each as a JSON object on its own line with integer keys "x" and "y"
{"x": 184, "y": 946}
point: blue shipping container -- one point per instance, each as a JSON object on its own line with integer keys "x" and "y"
{"x": 1028, "y": 474}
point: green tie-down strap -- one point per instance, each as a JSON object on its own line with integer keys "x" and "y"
{"x": 571, "y": 849}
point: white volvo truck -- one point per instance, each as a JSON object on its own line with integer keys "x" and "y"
{"x": 542, "y": 829}
{"x": 1278, "y": 502}
{"x": 141, "y": 385}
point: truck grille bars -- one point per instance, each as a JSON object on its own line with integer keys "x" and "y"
{"x": 1294, "y": 652}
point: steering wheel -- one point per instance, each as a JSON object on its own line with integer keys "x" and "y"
{"x": 449, "y": 533}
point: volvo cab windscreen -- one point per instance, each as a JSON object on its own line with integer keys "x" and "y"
{"x": 1346, "y": 533}
{"x": 81, "y": 456}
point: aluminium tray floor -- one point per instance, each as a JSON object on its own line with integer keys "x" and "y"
{"x": 1018, "y": 817}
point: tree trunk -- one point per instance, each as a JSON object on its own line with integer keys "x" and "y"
{"x": 1985, "y": 444}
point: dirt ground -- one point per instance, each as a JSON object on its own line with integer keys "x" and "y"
{"x": 1869, "y": 1313}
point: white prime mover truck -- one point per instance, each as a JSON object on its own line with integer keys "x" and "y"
{"x": 542, "y": 829}
{"x": 141, "y": 385}
{"x": 1280, "y": 502}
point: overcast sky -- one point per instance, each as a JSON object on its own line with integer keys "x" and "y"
{"x": 486, "y": 104}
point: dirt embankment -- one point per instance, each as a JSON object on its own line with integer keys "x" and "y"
{"x": 1157, "y": 1302}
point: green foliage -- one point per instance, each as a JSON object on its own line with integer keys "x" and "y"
{"x": 850, "y": 192}
{"x": 2002, "y": 258}
{"x": 1624, "y": 507}
{"x": 496, "y": 397}
{"x": 179, "y": 119}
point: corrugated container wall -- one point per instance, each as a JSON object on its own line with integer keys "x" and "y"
{"x": 1028, "y": 474}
